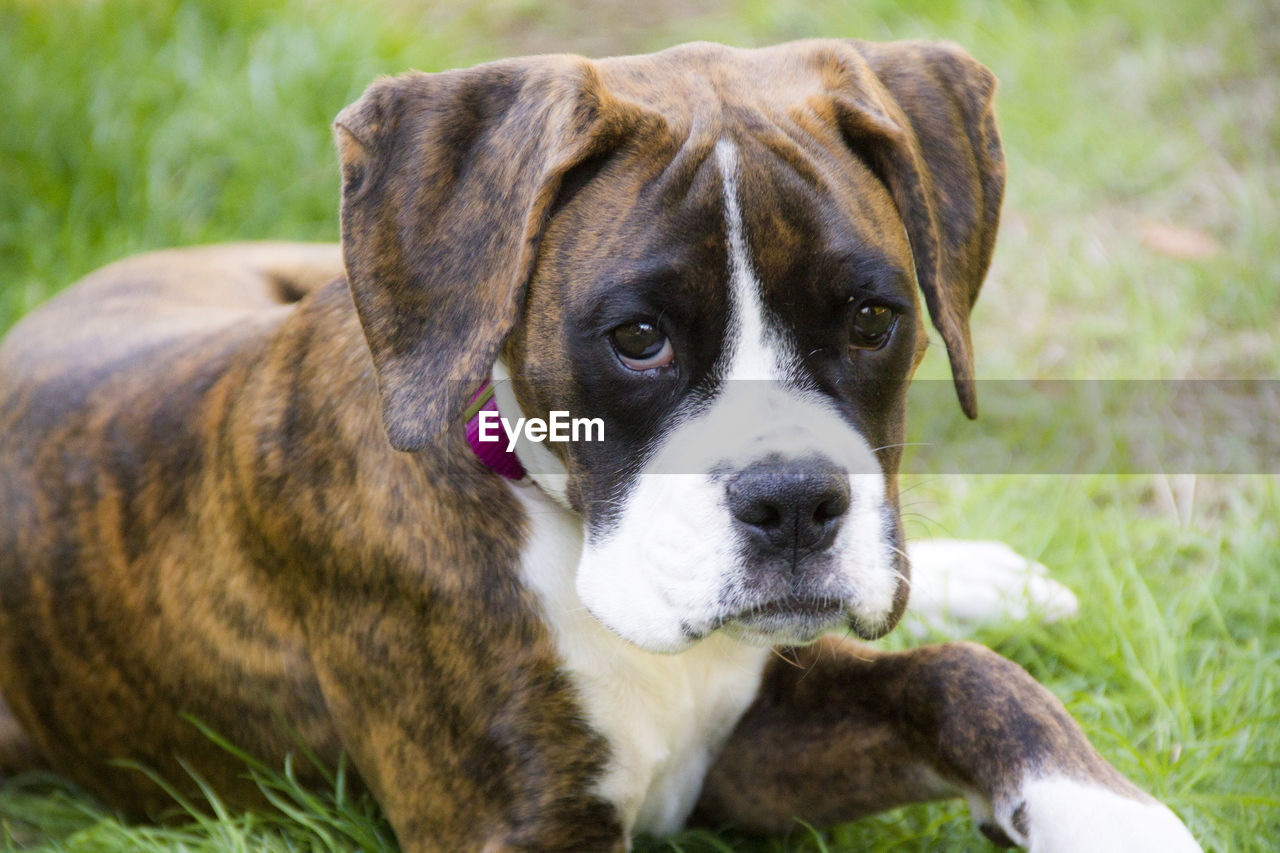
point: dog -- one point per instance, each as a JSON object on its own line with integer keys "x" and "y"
{"x": 243, "y": 484}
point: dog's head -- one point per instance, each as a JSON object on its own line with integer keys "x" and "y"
{"x": 717, "y": 252}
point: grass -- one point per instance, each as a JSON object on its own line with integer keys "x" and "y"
{"x": 131, "y": 125}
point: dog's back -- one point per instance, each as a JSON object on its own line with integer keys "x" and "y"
{"x": 148, "y": 301}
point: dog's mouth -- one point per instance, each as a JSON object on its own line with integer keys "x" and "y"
{"x": 795, "y": 621}
{"x": 789, "y": 620}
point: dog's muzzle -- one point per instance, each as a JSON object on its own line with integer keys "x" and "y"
{"x": 776, "y": 532}
{"x": 791, "y": 516}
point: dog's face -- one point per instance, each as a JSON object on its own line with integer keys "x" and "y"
{"x": 747, "y": 336}
{"x": 718, "y": 256}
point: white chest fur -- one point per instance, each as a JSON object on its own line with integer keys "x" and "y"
{"x": 664, "y": 716}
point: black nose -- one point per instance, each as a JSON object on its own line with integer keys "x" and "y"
{"x": 790, "y": 505}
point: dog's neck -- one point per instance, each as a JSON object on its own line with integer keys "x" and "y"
{"x": 664, "y": 716}
{"x": 498, "y": 454}
{"x": 537, "y": 462}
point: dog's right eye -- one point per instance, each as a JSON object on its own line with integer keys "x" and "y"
{"x": 872, "y": 326}
{"x": 642, "y": 346}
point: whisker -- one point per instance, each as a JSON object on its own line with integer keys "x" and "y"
{"x": 918, "y": 483}
{"x": 903, "y": 444}
{"x": 780, "y": 655}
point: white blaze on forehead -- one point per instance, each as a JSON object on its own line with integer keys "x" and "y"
{"x": 754, "y": 351}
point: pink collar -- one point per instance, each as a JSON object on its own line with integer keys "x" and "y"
{"x": 491, "y": 453}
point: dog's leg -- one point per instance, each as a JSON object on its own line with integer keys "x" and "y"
{"x": 457, "y": 765}
{"x": 846, "y": 730}
{"x": 958, "y": 585}
{"x": 17, "y": 751}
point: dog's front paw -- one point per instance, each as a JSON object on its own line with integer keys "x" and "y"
{"x": 957, "y": 584}
{"x": 1059, "y": 815}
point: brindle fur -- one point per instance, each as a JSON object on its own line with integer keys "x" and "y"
{"x": 201, "y": 513}
{"x": 191, "y": 542}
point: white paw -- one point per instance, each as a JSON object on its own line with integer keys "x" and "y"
{"x": 1059, "y": 815}
{"x": 959, "y": 584}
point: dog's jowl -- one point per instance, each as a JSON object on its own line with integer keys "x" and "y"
{"x": 243, "y": 484}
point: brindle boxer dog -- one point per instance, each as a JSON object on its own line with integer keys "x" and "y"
{"x": 235, "y": 480}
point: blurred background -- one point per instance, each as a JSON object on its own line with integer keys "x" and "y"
{"x": 1140, "y": 240}
{"x": 1142, "y": 143}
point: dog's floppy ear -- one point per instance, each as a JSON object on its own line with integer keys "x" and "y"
{"x": 447, "y": 180}
{"x": 925, "y": 118}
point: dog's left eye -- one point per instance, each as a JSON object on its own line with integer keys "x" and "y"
{"x": 872, "y": 325}
{"x": 642, "y": 346}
